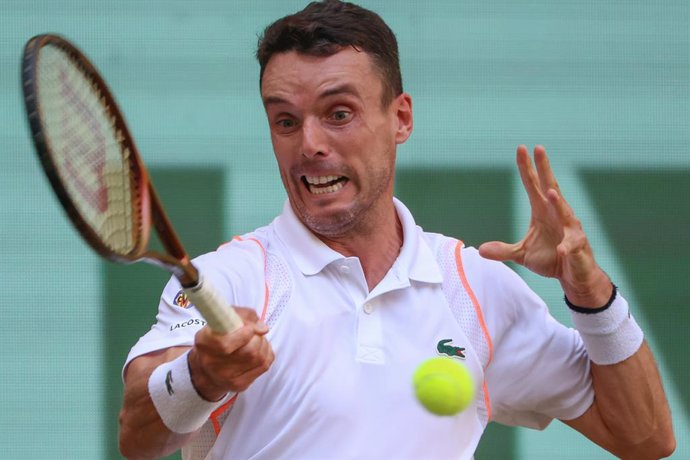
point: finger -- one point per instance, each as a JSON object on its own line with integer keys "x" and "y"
{"x": 574, "y": 238}
{"x": 573, "y": 244}
{"x": 546, "y": 177}
{"x": 253, "y": 359}
{"x": 248, "y": 315}
{"x": 498, "y": 250}
{"x": 563, "y": 209}
{"x": 253, "y": 352}
{"x": 241, "y": 382}
{"x": 529, "y": 177}
{"x": 261, "y": 328}
{"x": 214, "y": 344}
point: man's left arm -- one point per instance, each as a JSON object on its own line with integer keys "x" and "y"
{"x": 630, "y": 416}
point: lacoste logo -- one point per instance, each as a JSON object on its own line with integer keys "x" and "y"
{"x": 444, "y": 348}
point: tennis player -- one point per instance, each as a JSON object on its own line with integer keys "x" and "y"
{"x": 345, "y": 295}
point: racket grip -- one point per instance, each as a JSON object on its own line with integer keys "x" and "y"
{"x": 220, "y": 316}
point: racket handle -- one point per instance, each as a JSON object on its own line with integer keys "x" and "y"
{"x": 220, "y": 316}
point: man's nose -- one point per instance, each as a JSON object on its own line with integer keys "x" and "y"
{"x": 314, "y": 138}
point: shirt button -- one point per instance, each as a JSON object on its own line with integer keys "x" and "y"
{"x": 344, "y": 269}
{"x": 368, "y": 308}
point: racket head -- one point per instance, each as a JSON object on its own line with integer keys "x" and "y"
{"x": 86, "y": 149}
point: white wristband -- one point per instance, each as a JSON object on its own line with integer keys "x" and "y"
{"x": 179, "y": 405}
{"x": 610, "y": 336}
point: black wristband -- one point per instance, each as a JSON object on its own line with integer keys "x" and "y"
{"x": 589, "y": 311}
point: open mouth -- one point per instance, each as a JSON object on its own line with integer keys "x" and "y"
{"x": 324, "y": 184}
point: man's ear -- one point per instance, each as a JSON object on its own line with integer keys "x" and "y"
{"x": 403, "y": 105}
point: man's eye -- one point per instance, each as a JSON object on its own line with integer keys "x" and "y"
{"x": 340, "y": 115}
{"x": 286, "y": 123}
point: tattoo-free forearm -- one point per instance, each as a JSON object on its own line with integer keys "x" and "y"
{"x": 142, "y": 433}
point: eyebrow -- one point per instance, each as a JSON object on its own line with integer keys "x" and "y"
{"x": 274, "y": 100}
{"x": 345, "y": 88}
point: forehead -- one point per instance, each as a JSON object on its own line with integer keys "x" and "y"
{"x": 291, "y": 74}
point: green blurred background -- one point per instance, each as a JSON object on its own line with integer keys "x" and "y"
{"x": 602, "y": 84}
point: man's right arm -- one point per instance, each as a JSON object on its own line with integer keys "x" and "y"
{"x": 218, "y": 364}
{"x": 142, "y": 432}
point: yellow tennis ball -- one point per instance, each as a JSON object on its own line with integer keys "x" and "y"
{"x": 443, "y": 385}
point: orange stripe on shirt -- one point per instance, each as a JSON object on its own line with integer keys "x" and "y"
{"x": 266, "y": 289}
{"x": 234, "y": 238}
{"x": 215, "y": 415}
{"x": 480, "y": 318}
{"x": 263, "y": 250}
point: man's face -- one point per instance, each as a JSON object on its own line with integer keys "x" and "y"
{"x": 334, "y": 141}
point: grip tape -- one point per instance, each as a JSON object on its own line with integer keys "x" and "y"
{"x": 219, "y": 314}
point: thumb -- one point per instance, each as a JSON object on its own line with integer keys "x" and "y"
{"x": 498, "y": 250}
{"x": 261, "y": 328}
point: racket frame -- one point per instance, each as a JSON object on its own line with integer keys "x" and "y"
{"x": 146, "y": 206}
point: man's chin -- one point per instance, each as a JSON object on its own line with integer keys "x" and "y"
{"x": 329, "y": 224}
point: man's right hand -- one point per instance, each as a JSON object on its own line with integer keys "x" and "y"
{"x": 219, "y": 364}
{"x": 230, "y": 362}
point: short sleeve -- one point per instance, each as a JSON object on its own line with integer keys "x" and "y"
{"x": 236, "y": 271}
{"x": 539, "y": 368}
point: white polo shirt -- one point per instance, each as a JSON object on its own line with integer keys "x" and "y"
{"x": 341, "y": 383}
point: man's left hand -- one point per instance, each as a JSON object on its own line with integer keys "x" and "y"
{"x": 555, "y": 244}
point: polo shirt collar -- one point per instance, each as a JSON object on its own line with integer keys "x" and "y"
{"x": 309, "y": 253}
{"x": 416, "y": 260}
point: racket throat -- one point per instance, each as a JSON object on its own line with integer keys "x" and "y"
{"x": 183, "y": 270}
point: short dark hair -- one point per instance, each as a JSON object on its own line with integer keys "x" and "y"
{"x": 325, "y": 27}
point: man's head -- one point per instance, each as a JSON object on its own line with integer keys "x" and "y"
{"x": 335, "y": 120}
{"x": 326, "y": 27}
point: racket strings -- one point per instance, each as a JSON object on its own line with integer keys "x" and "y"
{"x": 87, "y": 149}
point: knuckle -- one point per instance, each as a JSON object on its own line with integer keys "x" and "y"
{"x": 227, "y": 348}
{"x": 266, "y": 365}
{"x": 238, "y": 385}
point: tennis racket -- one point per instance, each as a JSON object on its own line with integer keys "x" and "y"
{"x": 91, "y": 161}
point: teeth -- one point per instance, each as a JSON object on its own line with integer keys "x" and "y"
{"x": 330, "y": 189}
{"x": 320, "y": 179}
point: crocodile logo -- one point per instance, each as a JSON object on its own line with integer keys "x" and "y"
{"x": 444, "y": 348}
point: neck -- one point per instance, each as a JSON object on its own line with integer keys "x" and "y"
{"x": 376, "y": 242}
